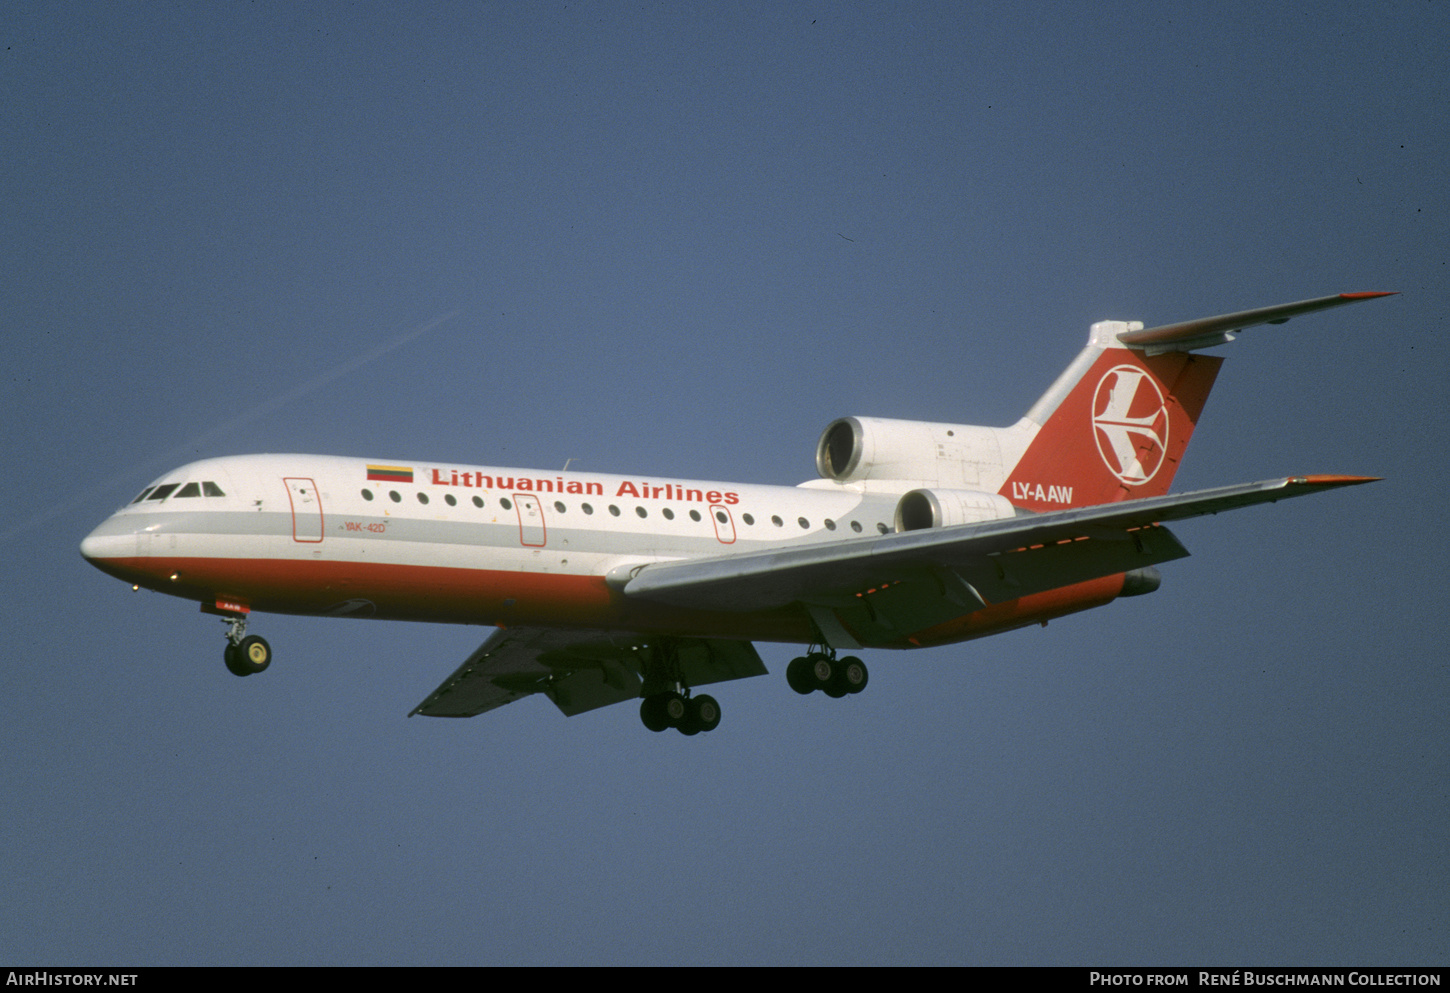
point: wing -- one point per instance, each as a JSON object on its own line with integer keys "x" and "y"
{"x": 579, "y": 670}
{"x": 919, "y": 578}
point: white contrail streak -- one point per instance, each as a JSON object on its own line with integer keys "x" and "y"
{"x": 171, "y": 456}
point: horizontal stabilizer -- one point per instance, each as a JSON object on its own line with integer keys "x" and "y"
{"x": 1208, "y": 331}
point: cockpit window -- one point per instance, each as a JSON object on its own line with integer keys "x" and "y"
{"x": 207, "y": 488}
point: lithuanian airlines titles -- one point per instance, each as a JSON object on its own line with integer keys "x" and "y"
{"x": 607, "y": 588}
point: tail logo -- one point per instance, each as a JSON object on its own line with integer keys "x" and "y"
{"x": 1130, "y": 422}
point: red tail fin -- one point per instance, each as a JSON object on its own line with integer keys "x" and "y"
{"x": 1118, "y": 433}
{"x": 1115, "y": 424}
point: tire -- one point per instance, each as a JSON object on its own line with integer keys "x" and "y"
{"x": 234, "y": 661}
{"x": 675, "y": 708}
{"x": 853, "y": 674}
{"x": 822, "y": 670}
{"x": 706, "y": 712}
{"x": 652, "y": 713}
{"x": 253, "y": 654}
{"x": 798, "y": 676}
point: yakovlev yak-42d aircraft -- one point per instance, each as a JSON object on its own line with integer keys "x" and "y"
{"x": 613, "y": 588}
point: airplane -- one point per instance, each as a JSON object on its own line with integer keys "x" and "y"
{"x": 609, "y": 588}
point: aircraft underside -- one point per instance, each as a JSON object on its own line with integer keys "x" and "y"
{"x": 651, "y": 638}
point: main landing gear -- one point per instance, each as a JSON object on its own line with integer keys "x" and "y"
{"x": 667, "y": 701}
{"x": 686, "y": 714}
{"x": 245, "y": 654}
{"x": 821, "y": 670}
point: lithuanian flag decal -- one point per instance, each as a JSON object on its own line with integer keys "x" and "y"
{"x": 391, "y": 473}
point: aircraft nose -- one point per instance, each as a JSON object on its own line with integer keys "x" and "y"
{"x": 108, "y": 542}
{"x": 95, "y": 546}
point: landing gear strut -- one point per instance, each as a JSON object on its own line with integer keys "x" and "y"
{"x": 667, "y": 701}
{"x": 245, "y": 654}
{"x": 821, "y": 670}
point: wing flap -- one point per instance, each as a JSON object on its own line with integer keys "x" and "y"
{"x": 1036, "y": 568}
{"x": 579, "y": 670}
{"x": 715, "y": 660}
{"x": 518, "y": 662}
{"x": 923, "y": 599}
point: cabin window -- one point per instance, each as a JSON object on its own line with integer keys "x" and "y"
{"x": 478, "y": 501}
{"x": 614, "y": 510}
{"x": 423, "y": 498}
{"x": 393, "y": 496}
{"x": 856, "y": 526}
{"x": 775, "y": 519}
{"x": 804, "y": 523}
{"x": 747, "y": 519}
{"x": 367, "y": 494}
{"x": 190, "y": 490}
{"x": 694, "y": 515}
{"x": 162, "y": 492}
{"x": 830, "y": 524}
{"x": 669, "y": 514}
{"x": 450, "y": 499}
{"x": 721, "y": 517}
{"x": 559, "y": 506}
{"x": 588, "y": 508}
{"x": 641, "y": 512}
{"x": 882, "y": 527}
{"x": 504, "y": 503}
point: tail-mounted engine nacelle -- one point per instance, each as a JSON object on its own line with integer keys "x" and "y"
{"x": 922, "y": 509}
{"x": 859, "y": 448}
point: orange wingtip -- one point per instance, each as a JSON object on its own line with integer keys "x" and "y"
{"x": 1330, "y": 479}
{"x": 1368, "y": 296}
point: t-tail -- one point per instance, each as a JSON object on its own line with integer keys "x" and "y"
{"x": 1116, "y": 423}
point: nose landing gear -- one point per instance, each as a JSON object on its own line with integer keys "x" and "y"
{"x": 245, "y": 654}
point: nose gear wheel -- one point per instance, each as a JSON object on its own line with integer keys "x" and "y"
{"x": 245, "y": 655}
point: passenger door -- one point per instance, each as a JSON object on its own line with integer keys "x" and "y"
{"x": 306, "y": 508}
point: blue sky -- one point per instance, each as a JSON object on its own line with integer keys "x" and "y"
{"x": 681, "y": 239}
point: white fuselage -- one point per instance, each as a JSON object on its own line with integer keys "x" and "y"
{"x": 468, "y": 544}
